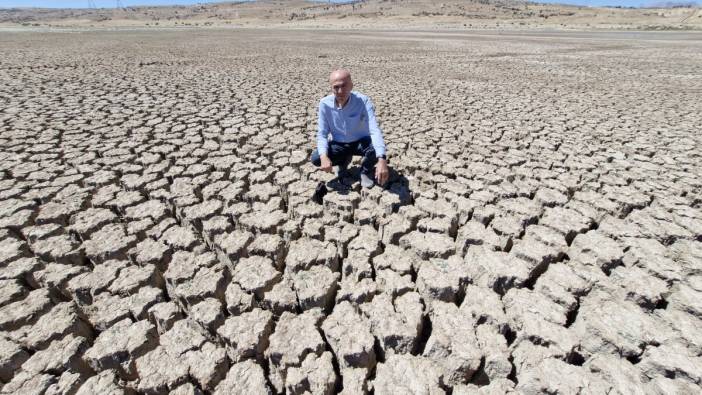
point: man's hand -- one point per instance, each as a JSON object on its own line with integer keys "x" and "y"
{"x": 326, "y": 163}
{"x": 382, "y": 173}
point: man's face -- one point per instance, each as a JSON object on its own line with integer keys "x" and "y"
{"x": 341, "y": 86}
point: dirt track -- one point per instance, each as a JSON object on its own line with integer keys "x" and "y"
{"x": 542, "y": 230}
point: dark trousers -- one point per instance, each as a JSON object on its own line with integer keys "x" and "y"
{"x": 341, "y": 154}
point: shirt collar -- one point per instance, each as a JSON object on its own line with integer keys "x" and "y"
{"x": 348, "y": 101}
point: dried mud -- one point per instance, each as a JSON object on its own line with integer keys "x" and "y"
{"x": 541, "y": 231}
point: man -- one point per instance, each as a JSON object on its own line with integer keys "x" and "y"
{"x": 350, "y": 119}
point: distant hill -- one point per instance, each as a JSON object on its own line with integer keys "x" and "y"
{"x": 392, "y": 14}
{"x": 674, "y": 4}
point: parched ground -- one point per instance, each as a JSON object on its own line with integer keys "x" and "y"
{"x": 542, "y": 230}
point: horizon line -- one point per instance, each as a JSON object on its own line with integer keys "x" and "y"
{"x": 119, "y": 4}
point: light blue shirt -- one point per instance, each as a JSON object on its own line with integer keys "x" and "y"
{"x": 348, "y": 124}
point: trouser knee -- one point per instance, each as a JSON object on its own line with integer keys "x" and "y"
{"x": 315, "y": 159}
{"x": 369, "y": 161}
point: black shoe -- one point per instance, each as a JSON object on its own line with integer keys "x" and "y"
{"x": 319, "y": 193}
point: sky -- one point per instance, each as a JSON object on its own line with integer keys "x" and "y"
{"x": 112, "y": 3}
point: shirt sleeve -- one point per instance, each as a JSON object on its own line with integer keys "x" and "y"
{"x": 375, "y": 133}
{"x": 322, "y": 131}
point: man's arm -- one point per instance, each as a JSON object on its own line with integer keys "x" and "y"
{"x": 323, "y": 139}
{"x": 322, "y": 132}
{"x": 375, "y": 133}
{"x": 382, "y": 173}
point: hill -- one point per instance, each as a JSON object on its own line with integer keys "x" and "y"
{"x": 382, "y": 14}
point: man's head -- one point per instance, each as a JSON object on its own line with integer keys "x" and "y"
{"x": 341, "y": 85}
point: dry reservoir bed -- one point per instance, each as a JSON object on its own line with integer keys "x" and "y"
{"x": 541, "y": 231}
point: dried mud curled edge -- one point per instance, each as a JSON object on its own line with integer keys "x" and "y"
{"x": 541, "y": 232}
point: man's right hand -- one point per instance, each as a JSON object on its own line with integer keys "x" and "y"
{"x": 326, "y": 164}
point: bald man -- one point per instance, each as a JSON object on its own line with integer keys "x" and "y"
{"x": 349, "y": 118}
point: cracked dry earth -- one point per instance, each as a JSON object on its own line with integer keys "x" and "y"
{"x": 541, "y": 232}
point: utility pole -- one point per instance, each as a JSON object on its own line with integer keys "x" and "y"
{"x": 91, "y": 4}
{"x": 119, "y": 4}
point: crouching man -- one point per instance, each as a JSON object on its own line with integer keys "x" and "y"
{"x": 348, "y": 116}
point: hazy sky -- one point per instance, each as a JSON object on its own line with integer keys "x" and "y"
{"x": 112, "y": 3}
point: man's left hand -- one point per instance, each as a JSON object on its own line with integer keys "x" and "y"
{"x": 382, "y": 173}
